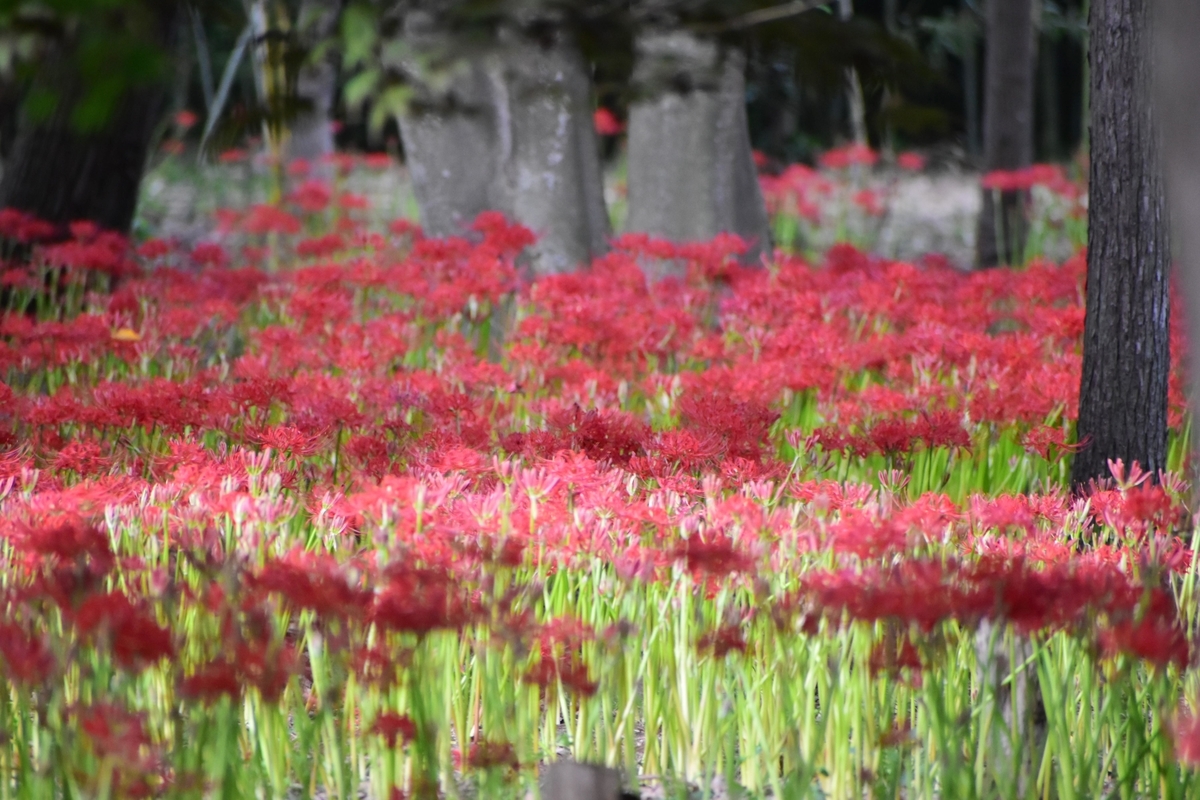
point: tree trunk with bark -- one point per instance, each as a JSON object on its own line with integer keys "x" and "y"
{"x": 1178, "y": 109}
{"x": 548, "y": 170}
{"x": 1126, "y": 355}
{"x": 508, "y": 128}
{"x": 449, "y": 131}
{"x": 691, "y": 169}
{"x": 62, "y": 175}
{"x": 310, "y": 130}
{"x": 1007, "y": 126}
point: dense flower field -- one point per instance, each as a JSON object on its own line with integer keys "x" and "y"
{"x": 346, "y": 508}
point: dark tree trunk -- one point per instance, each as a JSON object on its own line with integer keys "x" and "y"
{"x": 310, "y": 130}
{"x": 61, "y": 174}
{"x": 1007, "y": 126}
{"x": 1179, "y": 116}
{"x": 691, "y": 170}
{"x": 1126, "y": 356}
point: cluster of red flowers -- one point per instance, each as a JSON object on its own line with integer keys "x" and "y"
{"x": 428, "y": 417}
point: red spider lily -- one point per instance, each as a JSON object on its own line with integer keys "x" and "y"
{"x": 314, "y": 582}
{"x": 265, "y": 666}
{"x": 25, "y": 658}
{"x": 869, "y": 201}
{"x": 911, "y": 161}
{"x": 153, "y": 249}
{"x": 606, "y": 122}
{"x": 129, "y": 630}
{"x": 23, "y": 227}
{"x": 418, "y": 601}
{"x": 491, "y": 755}
{"x": 393, "y": 727}
{"x": 185, "y": 119}
{"x": 311, "y": 197}
{"x": 264, "y": 219}
{"x": 1185, "y": 737}
{"x": 211, "y": 682}
{"x": 565, "y": 670}
{"x": 69, "y": 543}
{"x": 282, "y": 438}
{"x": 850, "y": 155}
{"x": 716, "y": 558}
{"x": 119, "y": 735}
{"x": 722, "y": 641}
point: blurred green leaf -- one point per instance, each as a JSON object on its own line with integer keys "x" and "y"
{"x": 359, "y": 34}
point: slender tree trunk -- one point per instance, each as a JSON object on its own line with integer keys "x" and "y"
{"x": 1178, "y": 104}
{"x": 310, "y": 130}
{"x": 854, "y": 93}
{"x": 691, "y": 170}
{"x": 970, "y": 52}
{"x": 1126, "y": 356}
{"x": 1007, "y": 126}
{"x": 1051, "y": 99}
{"x": 62, "y": 175}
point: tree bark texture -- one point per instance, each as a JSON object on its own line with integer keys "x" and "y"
{"x": 548, "y": 154}
{"x": 1126, "y": 354}
{"x": 1178, "y": 109}
{"x": 509, "y": 128}
{"x": 691, "y": 169}
{"x": 62, "y": 175}
{"x": 310, "y": 131}
{"x": 1007, "y": 126}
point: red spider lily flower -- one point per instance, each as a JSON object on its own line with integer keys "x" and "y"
{"x": 314, "y": 582}
{"x": 83, "y": 230}
{"x": 890, "y": 659}
{"x": 418, "y": 601}
{"x": 286, "y": 439}
{"x": 911, "y": 161}
{"x": 491, "y": 755}
{"x": 20, "y": 226}
{"x": 186, "y": 119}
{"x": 606, "y": 122}
{"x": 716, "y": 558}
{"x": 130, "y": 630}
{"x": 266, "y": 666}
{"x": 850, "y": 155}
{"x": 263, "y": 219}
{"x": 115, "y": 731}
{"x": 153, "y": 249}
{"x": 299, "y": 168}
{"x": 377, "y": 161}
{"x": 25, "y": 659}
{"x": 210, "y": 255}
{"x": 348, "y": 201}
{"x": 1185, "y": 738}
{"x": 211, "y": 682}
{"x": 233, "y": 156}
{"x": 69, "y": 543}
{"x": 869, "y": 201}
{"x": 722, "y": 641}
{"x": 311, "y": 197}
{"x": 394, "y": 727}
{"x": 566, "y": 671}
